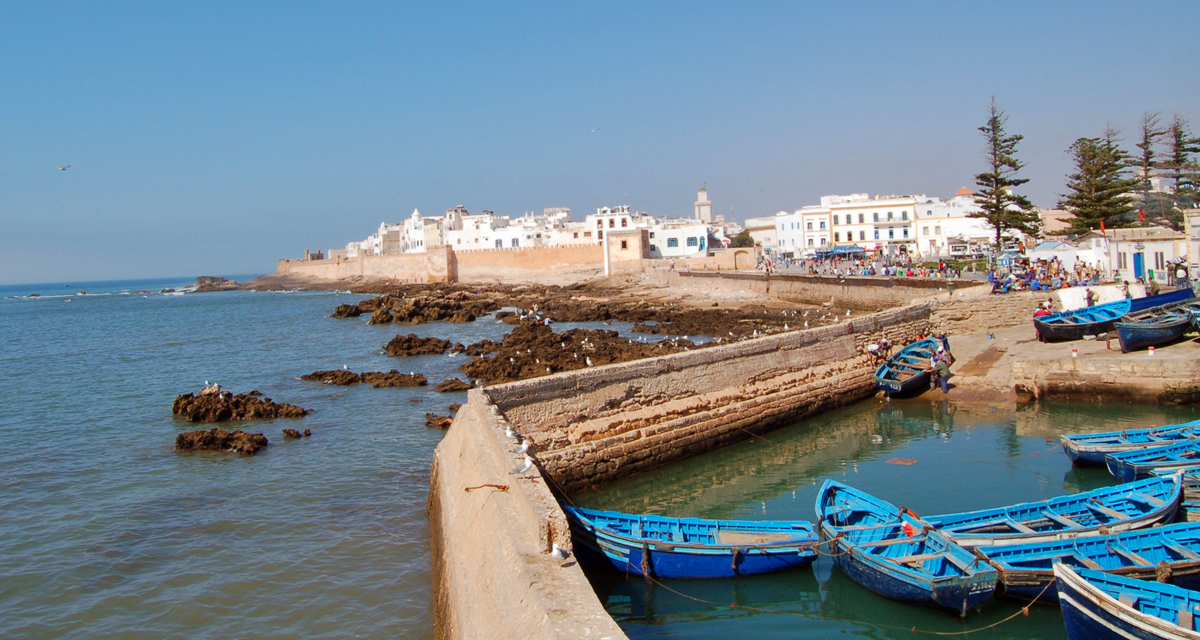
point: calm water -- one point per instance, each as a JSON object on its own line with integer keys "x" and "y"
{"x": 106, "y": 532}
{"x": 967, "y": 457}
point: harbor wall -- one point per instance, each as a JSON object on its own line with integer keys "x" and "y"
{"x": 1169, "y": 377}
{"x": 859, "y": 292}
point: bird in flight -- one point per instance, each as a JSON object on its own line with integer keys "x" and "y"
{"x": 64, "y": 168}
{"x": 594, "y": 130}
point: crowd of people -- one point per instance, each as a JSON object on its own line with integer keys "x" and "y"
{"x": 841, "y": 267}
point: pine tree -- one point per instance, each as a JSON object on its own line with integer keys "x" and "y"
{"x": 1178, "y": 164}
{"x": 1157, "y": 206}
{"x": 1100, "y": 187}
{"x": 1003, "y": 208}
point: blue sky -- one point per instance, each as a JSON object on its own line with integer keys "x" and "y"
{"x": 209, "y": 138}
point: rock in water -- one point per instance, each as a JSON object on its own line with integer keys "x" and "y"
{"x": 220, "y": 440}
{"x": 435, "y": 421}
{"x": 291, "y": 434}
{"x": 414, "y": 345}
{"x": 381, "y": 316}
{"x": 227, "y": 406}
{"x": 338, "y": 377}
{"x": 451, "y": 385}
{"x": 347, "y": 311}
{"x": 394, "y": 378}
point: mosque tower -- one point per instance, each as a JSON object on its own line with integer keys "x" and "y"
{"x": 703, "y": 206}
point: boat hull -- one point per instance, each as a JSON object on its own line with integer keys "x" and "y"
{"x": 1092, "y": 449}
{"x": 1090, "y": 613}
{"x": 904, "y": 374}
{"x": 1140, "y": 335}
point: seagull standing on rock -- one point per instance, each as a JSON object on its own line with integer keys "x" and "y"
{"x": 523, "y": 467}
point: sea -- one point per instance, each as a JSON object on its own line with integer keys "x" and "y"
{"x": 106, "y": 531}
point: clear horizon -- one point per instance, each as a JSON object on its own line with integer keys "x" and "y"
{"x": 222, "y": 137}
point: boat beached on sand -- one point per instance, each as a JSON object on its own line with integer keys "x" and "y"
{"x": 691, "y": 547}
{"x": 1153, "y": 331}
{"x": 1075, "y": 324}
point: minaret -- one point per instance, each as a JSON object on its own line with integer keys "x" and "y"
{"x": 703, "y": 206}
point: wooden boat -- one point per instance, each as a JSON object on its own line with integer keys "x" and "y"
{"x": 1153, "y": 331}
{"x": 1191, "y": 492}
{"x": 1108, "y": 510}
{"x": 1091, "y": 448}
{"x": 1131, "y": 465}
{"x": 904, "y": 373}
{"x": 901, "y": 559}
{"x": 1172, "y": 552}
{"x": 1073, "y": 325}
{"x": 1101, "y": 606}
{"x": 690, "y": 547}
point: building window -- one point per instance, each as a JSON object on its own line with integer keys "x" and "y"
{"x": 904, "y": 215}
{"x": 651, "y": 235}
{"x": 499, "y": 243}
{"x": 810, "y": 242}
{"x": 860, "y": 218}
{"x": 599, "y": 224}
{"x": 835, "y": 219}
{"x": 889, "y": 216}
{"x": 810, "y": 226}
{"x": 937, "y": 230}
{"x": 459, "y": 241}
{"x": 891, "y": 234}
{"x": 1121, "y": 261}
{"x": 822, "y": 242}
{"x": 877, "y": 234}
{"x": 624, "y": 222}
{"x": 691, "y": 241}
{"x": 653, "y": 248}
{"x": 612, "y": 223}
{"x": 925, "y": 230}
{"x": 837, "y": 236}
{"x": 600, "y": 235}
{"x": 588, "y": 234}
{"x": 516, "y": 242}
{"x": 822, "y": 224}
{"x": 862, "y": 235}
{"x": 904, "y": 232}
{"x": 576, "y": 234}
{"x": 624, "y": 244}
{"x": 1159, "y": 260}
{"x": 928, "y": 213}
{"x": 876, "y": 216}
{"x": 672, "y": 242}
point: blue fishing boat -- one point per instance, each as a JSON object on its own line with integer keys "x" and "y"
{"x": 1073, "y": 325}
{"x": 1153, "y": 331}
{"x": 1171, "y": 552}
{"x": 1131, "y": 465}
{"x": 1101, "y": 606}
{"x": 1091, "y": 448}
{"x": 1108, "y": 510}
{"x": 901, "y": 559}
{"x": 905, "y": 373}
{"x": 1190, "y": 507}
{"x": 690, "y": 547}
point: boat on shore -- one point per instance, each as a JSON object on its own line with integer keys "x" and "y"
{"x": 1107, "y": 510}
{"x": 1170, "y": 552}
{"x": 1153, "y": 331}
{"x": 905, "y": 373}
{"x": 900, "y": 558}
{"x": 1077, "y": 323}
{"x": 1102, "y": 606}
{"x": 1158, "y": 461}
{"x": 663, "y": 547}
{"x": 1091, "y": 448}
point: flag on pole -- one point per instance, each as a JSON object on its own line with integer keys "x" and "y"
{"x": 1102, "y": 228}
{"x": 1142, "y": 214}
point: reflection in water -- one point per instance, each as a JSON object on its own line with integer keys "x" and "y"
{"x": 968, "y": 456}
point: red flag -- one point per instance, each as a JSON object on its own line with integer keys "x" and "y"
{"x": 1142, "y": 215}
{"x": 1102, "y": 228}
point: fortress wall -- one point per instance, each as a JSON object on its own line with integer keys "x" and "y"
{"x": 435, "y": 265}
{"x": 481, "y": 265}
{"x": 598, "y": 425}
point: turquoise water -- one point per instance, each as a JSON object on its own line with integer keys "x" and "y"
{"x": 966, "y": 457}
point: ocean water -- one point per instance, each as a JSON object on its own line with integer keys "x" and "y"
{"x": 105, "y": 531}
{"x": 929, "y": 455}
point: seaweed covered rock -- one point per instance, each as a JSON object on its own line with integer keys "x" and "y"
{"x": 347, "y": 311}
{"x": 220, "y": 440}
{"x": 338, "y": 377}
{"x": 414, "y": 345}
{"x": 392, "y": 378}
{"x": 452, "y": 385}
{"x": 218, "y": 407}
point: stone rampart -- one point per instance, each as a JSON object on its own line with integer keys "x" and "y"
{"x": 1137, "y": 377}
{"x": 483, "y": 265}
{"x": 435, "y": 265}
{"x": 859, "y": 292}
{"x": 492, "y": 533}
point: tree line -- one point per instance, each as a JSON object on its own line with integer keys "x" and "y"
{"x": 1110, "y": 187}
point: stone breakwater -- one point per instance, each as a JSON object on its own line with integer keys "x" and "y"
{"x": 493, "y": 530}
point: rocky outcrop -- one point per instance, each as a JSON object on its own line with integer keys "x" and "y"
{"x": 416, "y": 305}
{"x": 292, "y": 434}
{"x": 434, "y": 421}
{"x": 218, "y": 407}
{"x": 414, "y": 345}
{"x": 533, "y": 350}
{"x": 376, "y": 379}
{"x": 347, "y": 311}
{"x": 452, "y": 385}
{"x": 205, "y": 284}
{"x": 220, "y": 440}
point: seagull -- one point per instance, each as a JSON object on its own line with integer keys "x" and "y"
{"x": 785, "y": 327}
{"x": 523, "y": 467}
{"x": 558, "y": 553}
{"x": 508, "y": 431}
{"x": 345, "y": 368}
{"x": 806, "y": 324}
{"x": 589, "y": 361}
{"x": 64, "y": 168}
{"x": 523, "y": 448}
{"x": 593, "y": 130}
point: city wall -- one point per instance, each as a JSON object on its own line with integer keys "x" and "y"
{"x": 489, "y": 265}
{"x": 435, "y": 265}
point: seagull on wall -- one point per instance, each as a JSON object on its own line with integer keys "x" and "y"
{"x": 593, "y": 130}
{"x": 64, "y": 168}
